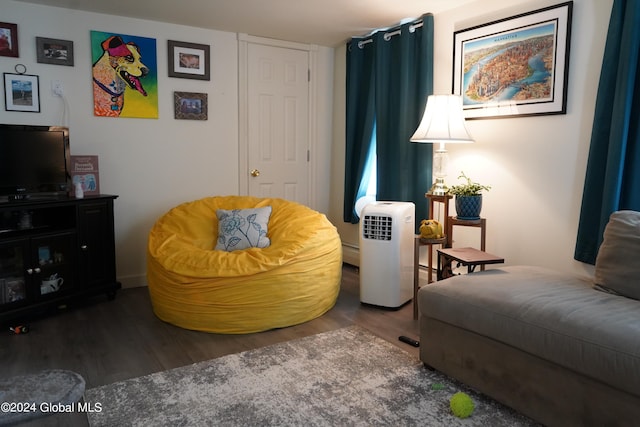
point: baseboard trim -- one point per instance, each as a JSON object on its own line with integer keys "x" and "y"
{"x": 350, "y": 254}
{"x": 133, "y": 281}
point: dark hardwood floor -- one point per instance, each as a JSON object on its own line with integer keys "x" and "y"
{"x": 108, "y": 341}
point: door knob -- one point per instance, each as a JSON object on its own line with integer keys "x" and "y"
{"x": 255, "y": 172}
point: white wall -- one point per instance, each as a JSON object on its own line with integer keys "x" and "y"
{"x": 535, "y": 165}
{"x": 152, "y": 165}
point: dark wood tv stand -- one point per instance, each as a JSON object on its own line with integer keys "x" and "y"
{"x": 55, "y": 252}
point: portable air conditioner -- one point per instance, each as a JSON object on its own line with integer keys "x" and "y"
{"x": 387, "y": 233}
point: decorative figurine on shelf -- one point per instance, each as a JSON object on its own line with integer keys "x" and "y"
{"x": 431, "y": 229}
{"x": 79, "y": 191}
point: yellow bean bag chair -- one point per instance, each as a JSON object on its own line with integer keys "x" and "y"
{"x": 293, "y": 280}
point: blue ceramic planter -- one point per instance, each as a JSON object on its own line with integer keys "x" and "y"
{"x": 469, "y": 207}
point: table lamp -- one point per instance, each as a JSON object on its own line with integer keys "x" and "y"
{"x": 443, "y": 122}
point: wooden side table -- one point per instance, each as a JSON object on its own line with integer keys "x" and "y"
{"x": 444, "y": 199}
{"x": 419, "y": 241}
{"x": 481, "y": 223}
{"x": 469, "y": 257}
{"x": 433, "y": 199}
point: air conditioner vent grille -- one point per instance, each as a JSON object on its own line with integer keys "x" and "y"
{"x": 377, "y": 227}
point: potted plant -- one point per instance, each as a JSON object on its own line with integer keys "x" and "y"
{"x": 468, "y": 198}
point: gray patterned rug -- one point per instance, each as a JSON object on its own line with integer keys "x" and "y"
{"x": 346, "y": 377}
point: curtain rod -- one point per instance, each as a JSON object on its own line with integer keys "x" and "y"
{"x": 387, "y": 36}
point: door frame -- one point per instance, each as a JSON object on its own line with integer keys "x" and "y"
{"x": 243, "y": 109}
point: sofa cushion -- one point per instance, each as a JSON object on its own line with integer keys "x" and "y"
{"x": 617, "y": 267}
{"x": 554, "y": 316}
{"x": 243, "y": 228}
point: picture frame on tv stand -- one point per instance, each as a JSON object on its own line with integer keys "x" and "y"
{"x": 85, "y": 170}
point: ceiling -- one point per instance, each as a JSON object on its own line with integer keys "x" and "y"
{"x": 322, "y": 22}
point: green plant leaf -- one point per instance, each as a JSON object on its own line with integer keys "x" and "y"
{"x": 469, "y": 189}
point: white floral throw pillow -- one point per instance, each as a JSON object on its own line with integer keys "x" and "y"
{"x": 243, "y": 228}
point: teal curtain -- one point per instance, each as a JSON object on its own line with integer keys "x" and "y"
{"x": 612, "y": 180}
{"x": 360, "y": 121}
{"x": 404, "y": 79}
{"x": 399, "y": 79}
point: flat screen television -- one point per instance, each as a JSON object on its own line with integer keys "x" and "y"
{"x": 34, "y": 161}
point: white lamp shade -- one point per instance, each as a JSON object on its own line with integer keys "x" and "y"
{"x": 443, "y": 121}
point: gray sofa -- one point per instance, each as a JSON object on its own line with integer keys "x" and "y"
{"x": 563, "y": 350}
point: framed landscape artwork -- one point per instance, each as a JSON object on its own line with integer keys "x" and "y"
{"x": 516, "y": 66}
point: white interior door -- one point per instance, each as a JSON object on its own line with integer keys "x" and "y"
{"x": 278, "y": 122}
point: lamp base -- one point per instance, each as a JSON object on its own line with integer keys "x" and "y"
{"x": 439, "y": 188}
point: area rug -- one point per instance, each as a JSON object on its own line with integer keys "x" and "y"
{"x": 346, "y": 377}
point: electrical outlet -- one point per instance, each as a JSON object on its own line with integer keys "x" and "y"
{"x": 56, "y": 87}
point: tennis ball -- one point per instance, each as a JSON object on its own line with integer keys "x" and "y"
{"x": 461, "y": 405}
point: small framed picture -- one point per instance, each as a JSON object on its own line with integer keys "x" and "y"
{"x": 190, "y": 106}
{"x": 8, "y": 39}
{"x": 188, "y": 60}
{"x": 21, "y": 93}
{"x": 54, "y": 51}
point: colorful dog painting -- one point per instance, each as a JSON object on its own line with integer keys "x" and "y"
{"x": 124, "y": 76}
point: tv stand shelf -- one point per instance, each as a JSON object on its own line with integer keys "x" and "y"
{"x": 53, "y": 253}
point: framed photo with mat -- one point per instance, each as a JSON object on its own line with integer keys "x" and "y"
{"x": 188, "y": 60}
{"x": 54, "y": 51}
{"x": 21, "y": 93}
